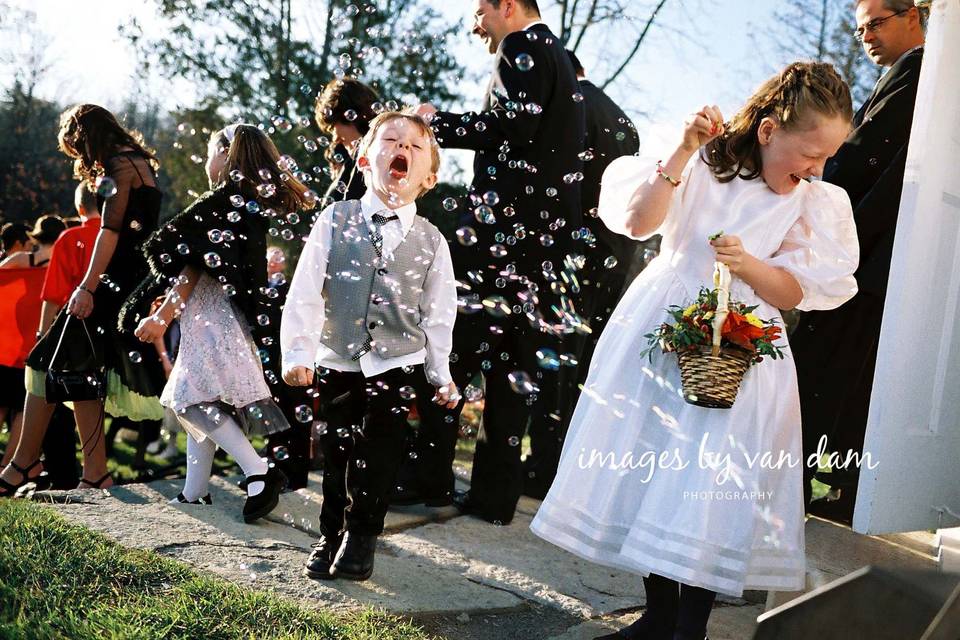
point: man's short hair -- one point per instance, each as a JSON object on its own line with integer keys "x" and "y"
{"x": 897, "y": 6}
{"x": 530, "y": 6}
{"x": 575, "y": 61}
{"x": 85, "y": 201}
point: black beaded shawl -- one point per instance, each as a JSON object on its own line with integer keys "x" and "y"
{"x": 224, "y": 236}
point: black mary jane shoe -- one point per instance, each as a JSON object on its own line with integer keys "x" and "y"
{"x": 39, "y": 483}
{"x": 266, "y": 501}
{"x": 182, "y": 499}
{"x": 354, "y": 559}
{"x": 321, "y": 558}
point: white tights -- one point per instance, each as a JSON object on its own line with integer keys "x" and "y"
{"x": 220, "y": 430}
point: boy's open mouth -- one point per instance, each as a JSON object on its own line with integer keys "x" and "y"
{"x": 795, "y": 178}
{"x": 398, "y": 168}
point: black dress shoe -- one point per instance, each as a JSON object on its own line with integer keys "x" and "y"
{"x": 463, "y": 501}
{"x": 354, "y": 560}
{"x": 321, "y": 558}
{"x": 264, "y": 502}
{"x": 404, "y": 496}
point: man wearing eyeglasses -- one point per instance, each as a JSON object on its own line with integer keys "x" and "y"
{"x": 835, "y": 351}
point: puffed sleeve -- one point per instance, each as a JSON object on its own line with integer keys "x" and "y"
{"x": 821, "y": 250}
{"x": 623, "y": 177}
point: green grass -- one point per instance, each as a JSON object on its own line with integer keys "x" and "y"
{"x": 59, "y": 580}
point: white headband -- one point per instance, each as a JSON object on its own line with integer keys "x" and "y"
{"x": 230, "y": 131}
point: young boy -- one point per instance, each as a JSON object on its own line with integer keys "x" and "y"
{"x": 371, "y": 305}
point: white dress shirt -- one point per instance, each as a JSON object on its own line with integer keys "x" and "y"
{"x": 304, "y": 314}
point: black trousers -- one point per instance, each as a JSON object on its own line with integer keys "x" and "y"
{"x": 835, "y": 354}
{"x": 504, "y": 351}
{"x": 547, "y": 433}
{"x": 294, "y": 443}
{"x": 362, "y": 446}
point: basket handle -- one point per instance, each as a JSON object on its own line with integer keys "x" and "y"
{"x": 721, "y": 280}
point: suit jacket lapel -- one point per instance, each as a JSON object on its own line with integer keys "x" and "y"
{"x": 882, "y": 83}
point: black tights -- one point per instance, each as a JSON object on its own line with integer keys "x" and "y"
{"x": 674, "y": 610}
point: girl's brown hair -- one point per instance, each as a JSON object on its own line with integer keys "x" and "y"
{"x": 252, "y": 152}
{"x": 792, "y": 97}
{"x": 91, "y": 135}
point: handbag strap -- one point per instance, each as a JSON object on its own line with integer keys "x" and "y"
{"x": 93, "y": 350}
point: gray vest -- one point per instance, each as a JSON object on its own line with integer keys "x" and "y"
{"x": 367, "y": 298}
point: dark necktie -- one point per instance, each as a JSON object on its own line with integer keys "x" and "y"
{"x": 376, "y": 237}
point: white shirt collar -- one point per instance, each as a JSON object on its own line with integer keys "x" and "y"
{"x": 535, "y": 22}
{"x": 371, "y": 204}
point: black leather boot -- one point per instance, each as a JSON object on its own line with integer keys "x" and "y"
{"x": 321, "y": 558}
{"x": 264, "y": 502}
{"x": 354, "y": 560}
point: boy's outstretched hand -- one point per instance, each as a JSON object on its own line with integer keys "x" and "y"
{"x": 298, "y": 376}
{"x": 447, "y": 396}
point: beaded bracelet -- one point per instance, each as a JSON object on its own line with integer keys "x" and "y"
{"x": 660, "y": 172}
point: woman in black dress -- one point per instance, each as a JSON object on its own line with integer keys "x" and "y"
{"x": 117, "y": 164}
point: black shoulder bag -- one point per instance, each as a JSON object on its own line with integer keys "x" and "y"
{"x": 86, "y": 383}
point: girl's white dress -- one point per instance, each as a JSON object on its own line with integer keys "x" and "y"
{"x": 218, "y": 365}
{"x": 726, "y": 521}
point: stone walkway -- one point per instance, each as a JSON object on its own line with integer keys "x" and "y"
{"x": 458, "y": 576}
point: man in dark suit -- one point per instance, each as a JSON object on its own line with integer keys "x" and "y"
{"x": 609, "y": 257}
{"x": 835, "y": 351}
{"x": 519, "y": 223}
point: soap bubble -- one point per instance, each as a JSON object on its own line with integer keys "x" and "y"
{"x": 524, "y": 62}
{"x": 212, "y": 260}
{"x": 466, "y": 236}
{"x": 106, "y": 187}
{"x": 521, "y": 383}
{"x": 303, "y": 413}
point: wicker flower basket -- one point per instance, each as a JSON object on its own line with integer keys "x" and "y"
{"x": 713, "y": 380}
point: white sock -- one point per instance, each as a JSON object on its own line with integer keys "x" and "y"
{"x": 199, "y": 465}
{"x": 231, "y": 439}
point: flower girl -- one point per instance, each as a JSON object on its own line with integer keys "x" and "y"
{"x": 713, "y": 519}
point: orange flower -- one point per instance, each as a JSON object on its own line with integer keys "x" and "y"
{"x": 739, "y": 331}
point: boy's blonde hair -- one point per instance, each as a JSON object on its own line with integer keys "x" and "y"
{"x": 389, "y": 116}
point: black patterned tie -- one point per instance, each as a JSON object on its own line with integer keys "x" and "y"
{"x": 376, "y": 237}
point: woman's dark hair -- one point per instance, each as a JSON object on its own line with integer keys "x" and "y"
{"x": 91, "y": 135}
{"x": 791, "y": 97}
{"x": 253, "y": 154}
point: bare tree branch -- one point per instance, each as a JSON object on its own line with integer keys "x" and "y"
{"x": 636, "y": 44}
